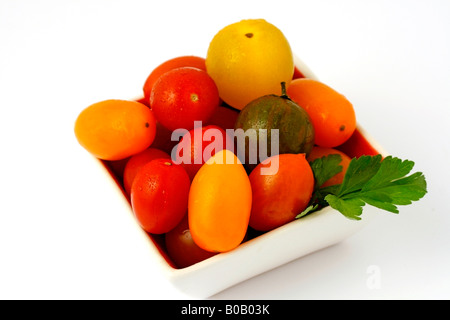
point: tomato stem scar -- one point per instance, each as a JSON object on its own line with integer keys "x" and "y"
{"x": 249, "y": 35}
{"x": 342, "y": 128}
{"x": 194, "y": 97}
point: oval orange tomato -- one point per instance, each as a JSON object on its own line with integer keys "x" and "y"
{"x": 280, "y": 193}
{"x": 332, "y": 115}
{"x": 115, "y": 129}
{"x": 220, "y": 202}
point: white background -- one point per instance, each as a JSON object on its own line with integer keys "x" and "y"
{"x": 61, "y": 235}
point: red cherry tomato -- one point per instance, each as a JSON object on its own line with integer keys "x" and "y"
{"x": 159, "y": 195}
{"x": 182, "y": 249}
{"x": 178, "y": 62}
{"x": 280, "y": 193}
{"x": 182, "y": 96}
{"x": 136, "y": 162}
{"x": 200, "y": 144}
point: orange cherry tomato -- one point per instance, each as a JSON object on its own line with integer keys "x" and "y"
{"x": 332, "y": 115}
{"x": 319, "y": 152}
{"x": 181, "y": 247}
{"x": 220, "y": 202}
{"x": 136, "y": 162}
{"x": 159, "y": 195}
{"x": 115, "y": 129}
{"x": 178, "y": 62}
{"x": 280, "y": 195}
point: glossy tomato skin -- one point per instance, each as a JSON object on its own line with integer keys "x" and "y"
{"x": 181, "y": 247}
{"x": 177, "y": 62}
{"x": 182, "y": 96}
{"x": 114, "y": 129}
{"x": 279, "y": 197}
{"x": 136, "y": 162}
{"x": 201, "y": 144}
{"x": 220, "y": 201}
{"x": 159, "y": 195}
{"x": 332, "y": 114}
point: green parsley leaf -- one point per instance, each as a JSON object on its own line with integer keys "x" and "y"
{"x": 359, "y": 171}
{"x": 382, "y": 183}
{"x": 325, "y": 168}
{"x": 389, "y": 187}
{"x": 309, "y": 209}
{"x": 351, "y": 208}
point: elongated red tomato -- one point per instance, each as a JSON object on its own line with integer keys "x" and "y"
{"x": 159, "y": 195}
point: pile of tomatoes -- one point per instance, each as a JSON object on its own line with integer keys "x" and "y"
{"x": 206, "y": 205}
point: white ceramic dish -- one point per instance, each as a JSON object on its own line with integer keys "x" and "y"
{"x": 272, "y": 249}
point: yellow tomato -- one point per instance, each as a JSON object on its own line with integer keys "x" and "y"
{"x": 249, "y": 59}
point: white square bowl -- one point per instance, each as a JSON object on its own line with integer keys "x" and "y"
{"x": 272, "y": 249}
